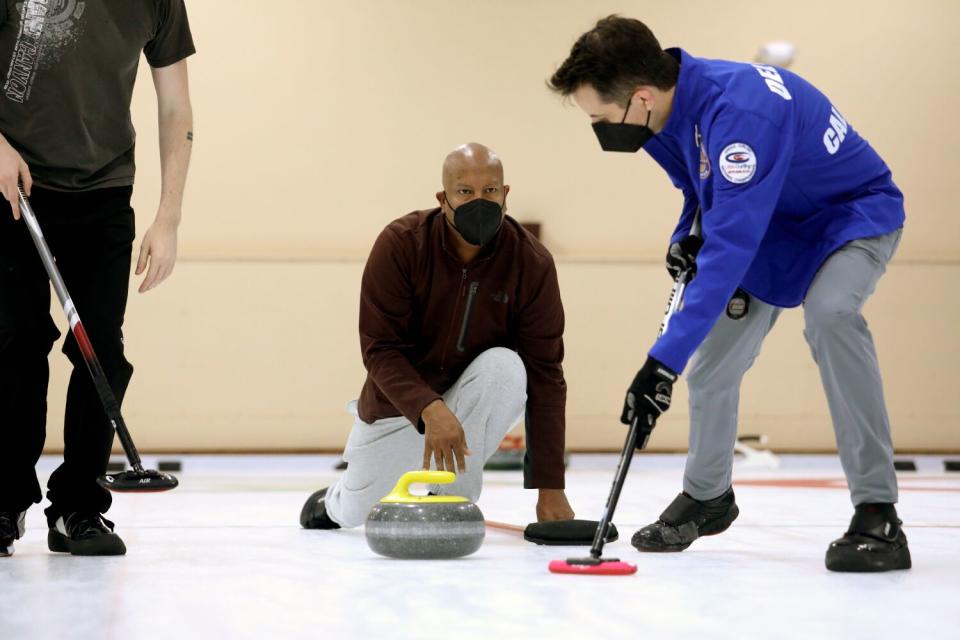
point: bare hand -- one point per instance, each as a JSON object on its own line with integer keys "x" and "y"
{"x": 158, "y": 253}
{"x": 13, "y": 170}
{"x": 552, "y": 505}
{"x": 444, "y": 440}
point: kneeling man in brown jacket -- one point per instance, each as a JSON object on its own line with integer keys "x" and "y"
{"x": 461, "y": 330}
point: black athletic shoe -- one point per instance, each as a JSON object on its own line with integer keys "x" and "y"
{"x": 874, "y": 542}
{"x": 12, "y": 526}
{"x": 685, "y": 520}
{"x": 314, "y": 512}
{"x": 85, "y": 534}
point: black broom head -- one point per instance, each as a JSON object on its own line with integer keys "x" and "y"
{"x": 566, "y": 532}
{"x": 147, "y": 481}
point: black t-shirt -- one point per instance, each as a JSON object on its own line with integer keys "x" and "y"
{"x": 67, "y": 70}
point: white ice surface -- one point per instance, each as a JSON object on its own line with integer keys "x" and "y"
{"x": 223, "y": 556}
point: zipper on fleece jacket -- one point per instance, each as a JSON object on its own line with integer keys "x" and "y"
{"x": 471, "y": 298}
{"x": 453, "y": 319}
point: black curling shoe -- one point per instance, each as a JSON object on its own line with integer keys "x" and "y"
{"x": 314, "y": 512}
{"x": 12, "y": 526}
{"x": 874, "y": 542}
{"x": 84, "y": 534}
{"x": 685, "y": 520}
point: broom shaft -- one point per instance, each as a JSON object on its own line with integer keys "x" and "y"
{"x": 110, "y": 405}
{"x": 636, "y": 431}
{"x": 600, "y": 537}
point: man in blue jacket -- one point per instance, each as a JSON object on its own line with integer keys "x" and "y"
{"x": 796, "y": 208}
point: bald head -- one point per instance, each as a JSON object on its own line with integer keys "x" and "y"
{"x": 470, "y": 162}
{"x": 471, "y": 172}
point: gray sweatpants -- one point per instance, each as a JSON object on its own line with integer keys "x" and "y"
{"x": 488, "y": 399}
{"x": 843, "y": 350}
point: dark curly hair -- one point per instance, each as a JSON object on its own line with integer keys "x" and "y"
{"x": 615, "y": 57}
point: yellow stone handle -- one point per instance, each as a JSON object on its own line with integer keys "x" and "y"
{"x": 401, "y": 492}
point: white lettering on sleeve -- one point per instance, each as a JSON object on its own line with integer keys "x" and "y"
{"x": 774, "y": 82}
{"x": 830, "y": 141}
{"x": 836, "y": 132}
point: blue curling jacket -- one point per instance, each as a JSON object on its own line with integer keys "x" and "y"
{"x": 782, "y": 181}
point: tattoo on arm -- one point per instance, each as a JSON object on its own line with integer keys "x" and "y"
{"x": 190, "y": 136}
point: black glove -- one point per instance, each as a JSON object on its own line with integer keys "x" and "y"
{"x": 649, "y": 394}
{"x": 683, "y": 255}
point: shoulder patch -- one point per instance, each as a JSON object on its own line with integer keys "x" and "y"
{"x": 738, "y": 163}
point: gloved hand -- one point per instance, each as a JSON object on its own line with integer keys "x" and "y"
{"x": 683, "y": 255}
{"x": 649, "y": 394}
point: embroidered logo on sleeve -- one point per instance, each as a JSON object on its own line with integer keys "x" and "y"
{"x": 738, "y": 163}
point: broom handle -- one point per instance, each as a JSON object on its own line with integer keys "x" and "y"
{"x": 600, "y": 537}
{"x": 676, "y": 296}
{"x": 110, "y": 405}
{"x": 504, "y": 526}
{"x": 635, "y": 432}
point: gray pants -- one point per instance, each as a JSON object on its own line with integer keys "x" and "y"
{"x": 843, "y": 350}
{"x": 488, "y": 399}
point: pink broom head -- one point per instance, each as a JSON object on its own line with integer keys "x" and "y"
{"x": 602, "y": 568}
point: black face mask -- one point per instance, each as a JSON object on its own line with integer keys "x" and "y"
{"x": 620, "y": 136}
{"x": 477, "y": 221}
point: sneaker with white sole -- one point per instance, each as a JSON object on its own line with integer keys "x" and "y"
{"x": 85, "y": 534}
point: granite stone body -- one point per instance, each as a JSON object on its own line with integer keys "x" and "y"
{"x": 425, "y": 530}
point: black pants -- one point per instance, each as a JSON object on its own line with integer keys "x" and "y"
{"x": 91, "y": 236}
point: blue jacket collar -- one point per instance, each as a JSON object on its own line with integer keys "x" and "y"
{"x": 689, "y": 99}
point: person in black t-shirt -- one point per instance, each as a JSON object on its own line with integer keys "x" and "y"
{"x": 67, "y": 70}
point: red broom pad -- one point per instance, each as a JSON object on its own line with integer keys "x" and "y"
{"x": 603, "y": 568}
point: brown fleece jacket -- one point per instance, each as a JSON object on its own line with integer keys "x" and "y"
{"x": 425, "y": 316}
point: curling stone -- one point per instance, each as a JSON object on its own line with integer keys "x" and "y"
{"x": 403, "y": 525}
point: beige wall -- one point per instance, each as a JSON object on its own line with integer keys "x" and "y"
{"x": 318, "y": 122}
